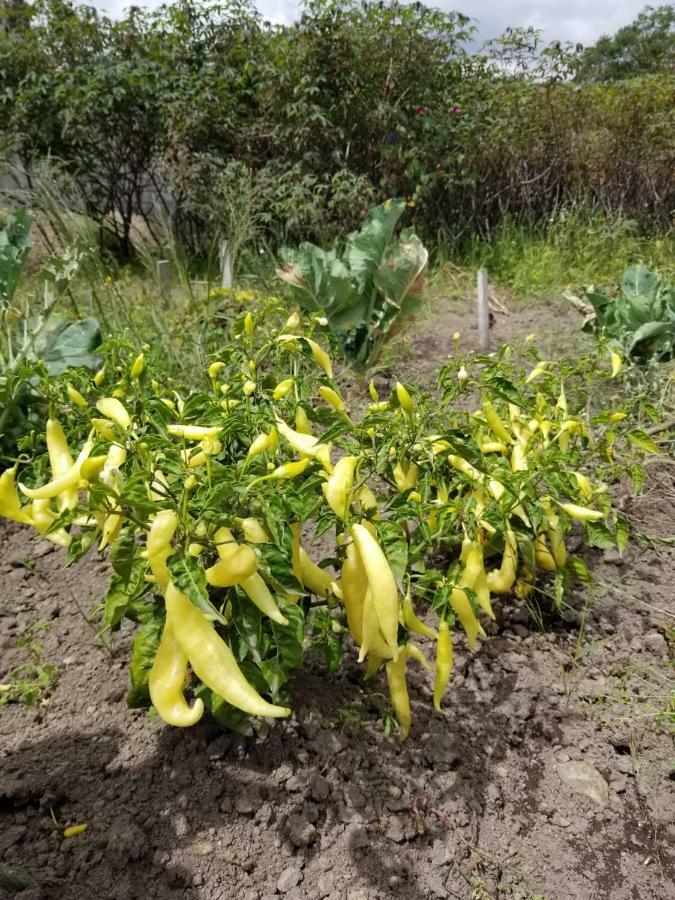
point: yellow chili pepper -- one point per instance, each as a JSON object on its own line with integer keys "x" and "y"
{"x": 167, "y": 681}
{"x": 405, "y": 475}
{"x": 249, "y": 327}
{"x": 113, "y": 409}
{"x": 236, "y": 562}
{"x": 213, "y": 370}
{"x": 194, "y": 432}
{"x": 543, "y": 556}
{"x": 459, "y": 600}
{"x": 138, "y": 366}
{"x": 42, "y": 517}
{"x": 493, "y": 447}
{"x": 372, "y": 390}
{"x": 212, "y": 660}
{"x": 282, "y": 389}
{"x": 404, "y": 399}
{"x": 76, "y": 397}
{"x": 381, "y": 583}
{"x": 306, "y": 444}
{"x": 462, "y": 465}
{"x": 616, "y": 363}
{"x": 561, "y": 403}
{"x": 74, "y": 830}
{"x": 259, "y": 445}
{"x": 581, "y": 513}
{"x": 302, "y": 425}
{"x": 159, "y": 547}
{"x": 353, "y": 584}
{"x": 65, "y": 482}
{"x": 249, "y": 387}
{"x": 585, "y": 487}
{"x": 337, "y": 490}
{"x": 443, "y": 662}
{"x": 538, "y": 371}
{"x": 60, "y": 460}
{"x": 254, "y": 531}
{"x": 501, "y": 580}
{"x": 259, "y": 594}
{"x": 10, "y": 502}
{"x": 332, "y": 398}
{"x": 472, "y": 556}
{"x": 99, "y": 376}
{"x": 518, "y": 458}
{"x": 495, "y": 423}
{"x": 410, "y": 620}
{"x": 91, "y": 468}
{"x": 288, "y": 470}
{"x": 318, "y": 580}
{"x": 321, "y": 357}
{"x": 398, "y": 691}
{"x": 558, "y": 549}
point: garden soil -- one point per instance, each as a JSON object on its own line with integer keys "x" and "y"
{"x": 547, "y": 775}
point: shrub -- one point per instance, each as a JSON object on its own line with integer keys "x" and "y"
{"x": 253, "y": 520}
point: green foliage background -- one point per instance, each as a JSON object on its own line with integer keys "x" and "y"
{"x": 321, "y": 119}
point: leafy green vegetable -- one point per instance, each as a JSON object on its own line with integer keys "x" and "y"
{"x": 641, "y": 318}
{"x": 363, "y": 291}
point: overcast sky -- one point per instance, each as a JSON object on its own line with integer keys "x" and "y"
{"x": 580, "y": 21}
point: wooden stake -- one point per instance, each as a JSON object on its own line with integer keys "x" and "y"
{"x": 225, "y": 264}
{"x": 483, "y": 311}
{"x": 164, "y": 278}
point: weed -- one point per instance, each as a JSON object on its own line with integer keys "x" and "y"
{"x": 573, "y": 248}
{"x": 33, "y": 679}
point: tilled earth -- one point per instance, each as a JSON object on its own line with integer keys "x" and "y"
{"x": 548, "y": 774}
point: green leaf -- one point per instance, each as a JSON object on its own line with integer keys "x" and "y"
{"x": 73, "y": 347}
{"x": 274, "y": 673}
{"x": 599, "y": 535}
{"x": 122, "y": 552}
{"x": 247, "y": 620}
{"x": 637, "y": 475}
{"x": 526, "y": 550}
{"x": 643, "y": 441}
{"x": 79, "y": 545}
{"x": 189, "y": 577}
{"x": 14, "y": 248}
{"x": 143, "y": 654}
{"x": 122, "y": 591}
{"x": 505, "y": 389}
{"x": 578, "y": 569}
{"x": 278, "y": 564}
{"x": 290, "y": 638}
{"x": 622, "y": 531}
{"x": 116, "y": 602}
{"x": 226, "y": 715}
{"x": 395, "y": 546}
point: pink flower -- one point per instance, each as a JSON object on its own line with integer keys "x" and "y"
{"x": 456, "y": 110}
{"x": 420, "y": 111}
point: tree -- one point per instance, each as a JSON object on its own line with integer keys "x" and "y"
{"x": 645, "y": 46}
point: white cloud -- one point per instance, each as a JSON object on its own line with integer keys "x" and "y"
{"x": 581, "y": 21}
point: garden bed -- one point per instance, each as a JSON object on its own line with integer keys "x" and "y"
{"x": 547, "y": 774}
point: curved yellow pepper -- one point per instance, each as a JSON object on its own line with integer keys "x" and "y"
{"x": 212, "y": 660}
{"x": 167, "y": 680}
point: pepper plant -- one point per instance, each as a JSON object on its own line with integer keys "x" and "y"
{"x": 259, "y": 516}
